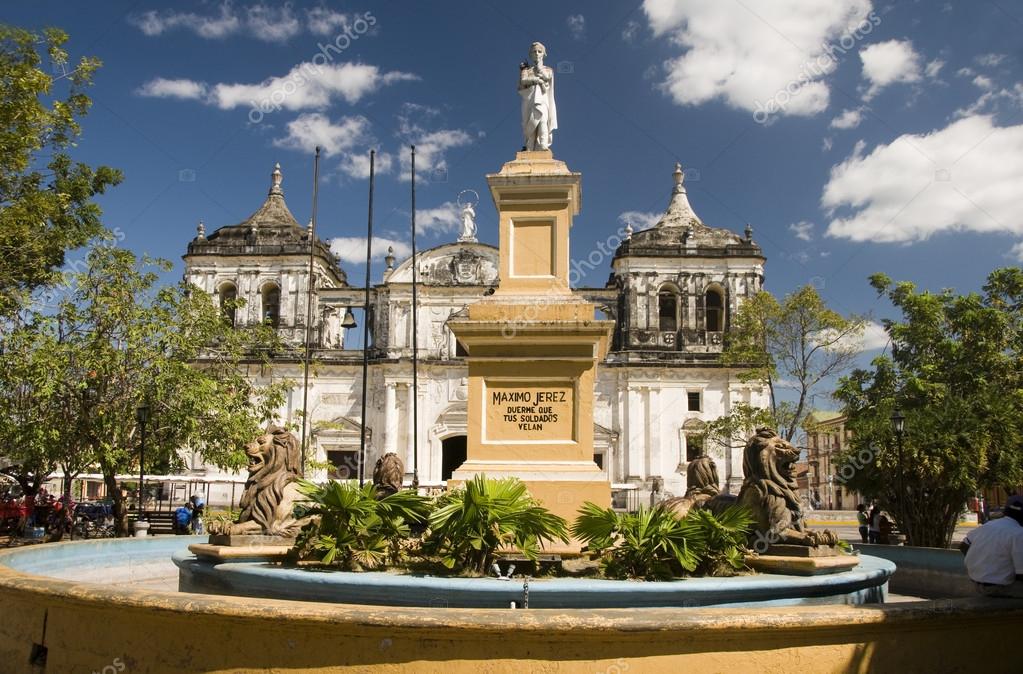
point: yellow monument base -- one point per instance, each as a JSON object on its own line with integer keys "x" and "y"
{"x": 533, "y": 348}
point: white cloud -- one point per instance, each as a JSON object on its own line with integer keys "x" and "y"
{"x": 849, "y": 119}
{"x": 639, "y": 220}
{"x": 272, "y": 24}
{"x": 989, "y": 60}
{"x": 802, "y": 230}
{"x": 431, "y": 145}
{"x": 965, "y": 176}
{"x": 306, "y": 86}
{"x": 576, "y": 26}
{"x": 992, "y": 101}
{"x": 310, "y": 129}
{"x": 966, "y": 72}
{"x": 352, "y": 249}
{"x": 356, "y": 164}
{"x": 443, "y": 218}
{"x": 982, "y": 82}
{"x": 222, "y": 24}
{"x": 164, "y": 88}
{"x": 886, "y": 63}
{"x": 1017, "y": 251}
{"x": 871, "y": 338}
{"x": 933, "y": 68}
{"x": 757, "y": 54}
{"x": 874, "y": 337}
{"x": 630, "y": 31}
{"x": 323, "y": 21}
{"x": 827, "y": 144}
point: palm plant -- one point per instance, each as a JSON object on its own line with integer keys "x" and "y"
{"x": 650, "y": 543}
{"x": 723, "y": 538}
{"x": 354, "y": 529}
{"x": 472, "y": 522}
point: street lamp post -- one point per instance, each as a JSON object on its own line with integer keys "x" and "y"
{"x": 899, "y": 425}
{"x": 142, "y": 416}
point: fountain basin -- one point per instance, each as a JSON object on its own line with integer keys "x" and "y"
{"x": 864, "y": 584}
{"x": 90, "y": 607}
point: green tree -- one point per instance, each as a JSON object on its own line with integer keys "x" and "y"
{"x": 32, "y": 376}
{"x": 797, "y": 343}
{"x": 736, "y": 428}
{"x": 956, "y": 372}
{"x": 168, "y": 348}
{"x": 46, "y": 199}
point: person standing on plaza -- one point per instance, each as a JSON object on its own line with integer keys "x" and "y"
{"x": 994, "y": 553}
{"x": 862, "y": 521}
{"x": 874, "y": 525}
{"x": 198, "y": 510}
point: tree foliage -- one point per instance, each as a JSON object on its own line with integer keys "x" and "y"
{"x": 797, "y": 343}
{"x": 46, "y": 199}
{"x": 128, "y": 342}
{"x": 956, "y": 372}
{"x": 739, "y": 425}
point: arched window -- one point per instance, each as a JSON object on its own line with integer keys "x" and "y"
{"x": 228, "y": 294}
{"x": 715, "y": 311}
{"x": 667, "y": 309}
{"x": 271, "y": 296}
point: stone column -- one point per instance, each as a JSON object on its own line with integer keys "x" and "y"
{"x": 653, "y": 431}
{"x": 390, "y": 418}
{"x": 409, "y": 436}
{"x": 635, "y": 432}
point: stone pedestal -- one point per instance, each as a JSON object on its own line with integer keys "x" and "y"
{"x": 533, "y": 347}
{"x": 243, "y": 548}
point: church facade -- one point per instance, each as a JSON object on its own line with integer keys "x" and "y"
{"x": 672, "y": 291}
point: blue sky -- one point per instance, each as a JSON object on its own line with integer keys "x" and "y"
{"x": 855, "y": 137}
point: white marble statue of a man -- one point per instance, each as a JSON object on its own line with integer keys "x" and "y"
{"x": 468, "y": 223}
{"x": 539, "y": 114}
{"x": 332, "y": 337}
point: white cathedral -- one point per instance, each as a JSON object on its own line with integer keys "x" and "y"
{"x": 672, "y": 291}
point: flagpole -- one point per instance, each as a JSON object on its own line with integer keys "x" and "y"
{"x": 310, "y": 287}
{"x": 415, "y": 337}
{"x": 365, "y": 324}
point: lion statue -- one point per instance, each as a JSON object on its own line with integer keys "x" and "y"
{"x": 702, "y": 489}
{"x": 268, "y": 502}
{"x": 388, "y": 474}
{"x": 769, "y": 493}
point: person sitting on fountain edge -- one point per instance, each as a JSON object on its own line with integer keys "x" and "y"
{"x": 994, "y": 553}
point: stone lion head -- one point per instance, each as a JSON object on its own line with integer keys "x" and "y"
{"x": 772, "y": 459}
{"x": 274, "y": 461}
{"x": 388, "y": 474}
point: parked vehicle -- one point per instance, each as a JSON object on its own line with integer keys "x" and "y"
{"x": 93, "y": 520}
{"x": 12, "y": 512}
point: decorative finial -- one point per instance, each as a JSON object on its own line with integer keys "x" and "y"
{"x": 749, "y": 233}
{"x": 390, "y": 258}
{"x": 276, "y": 176}
{"x": 628, "y": 230}
{"x": 200, "y": 231}
{"x": 679, "y": 177}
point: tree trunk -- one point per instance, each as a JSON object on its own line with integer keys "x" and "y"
{"x": 120, "y": 507}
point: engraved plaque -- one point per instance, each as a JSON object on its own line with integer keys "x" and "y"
{"x": 529, "y": 412}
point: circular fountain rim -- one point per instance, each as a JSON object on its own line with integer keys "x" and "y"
{"x": 861, "y": 584}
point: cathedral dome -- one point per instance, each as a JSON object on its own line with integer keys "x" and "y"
{"x": 681, "y": 231}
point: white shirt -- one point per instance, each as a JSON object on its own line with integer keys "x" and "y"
{"x": 996, "y": 552}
